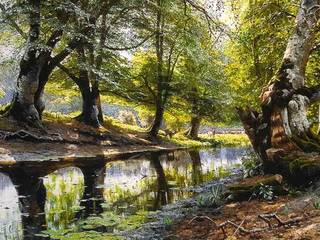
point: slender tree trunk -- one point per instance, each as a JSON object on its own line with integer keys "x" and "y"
{"x": 159, "y": 101}
{"x": 195, "y": 116}
{"x": 158, "y": 118}
{"x": 195, "y": 126}
{"x": 283, "y": 127}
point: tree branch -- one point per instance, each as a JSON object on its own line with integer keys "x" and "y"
{"x": 69, "y": 73}
{"x": 132, "y": 47}
{"x": 12, "y": 23}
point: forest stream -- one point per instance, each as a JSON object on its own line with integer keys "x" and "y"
{"x": 106, "y": 198}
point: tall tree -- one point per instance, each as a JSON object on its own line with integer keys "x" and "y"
{"x": 283, "y": 129}
{"x": 37, "y": 63}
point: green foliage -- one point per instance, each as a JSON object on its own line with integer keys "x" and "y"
{"x": 265, "y": 192}
{"x": 262, "y": 29}
{"x": 316, "y": 203}
{"x": 251, "y": 165}
{"x": 167, "y": 221}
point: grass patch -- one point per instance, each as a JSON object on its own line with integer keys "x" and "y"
{"x": 181, "y": 139}
{"x": 205, "y": 140}
{"x": 111, "y": 123}
{"x": 233, "y": 140}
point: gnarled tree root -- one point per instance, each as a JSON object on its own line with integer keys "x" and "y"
{"x": 28, "y": 136}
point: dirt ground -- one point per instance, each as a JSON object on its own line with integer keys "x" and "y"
{"x": 67, "y": 141}
{"x": 301, "y": 220}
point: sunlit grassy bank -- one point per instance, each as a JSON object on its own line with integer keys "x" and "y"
{"x": 205, "y": 140}
{"x": 211, "y": 141}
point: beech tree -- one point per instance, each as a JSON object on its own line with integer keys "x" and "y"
{"x": 281, "y": 133}
{"x": 38, "y": 63}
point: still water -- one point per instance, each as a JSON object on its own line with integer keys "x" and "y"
{"x": 63, "y": 202}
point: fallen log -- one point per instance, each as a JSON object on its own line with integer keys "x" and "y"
{"x": 246, "y": 188}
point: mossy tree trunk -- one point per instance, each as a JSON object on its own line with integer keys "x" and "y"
{"x": 282, "y": 128}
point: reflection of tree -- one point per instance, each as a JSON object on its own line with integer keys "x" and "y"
{"x": 196, "y": 167}
{"x": 162, "y": 195}
{"x": 32, "y": 198}
{"x": 93, "y": 191}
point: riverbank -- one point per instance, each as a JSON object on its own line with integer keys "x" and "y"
{"x": 66, "y": 140}
{"x": 164, "y": 221}
{"x": 286, "y": 217}
{"x": 293, "y": 216}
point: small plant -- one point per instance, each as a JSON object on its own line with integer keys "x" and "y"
{"x": 316, "y": 203}
{"x": 251, "y": 166}
{"x": 265, "y": 192}
{"x": 212, "y": 199}
{"x": 167, "y": 221}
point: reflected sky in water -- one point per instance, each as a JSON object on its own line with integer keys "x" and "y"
{"x": 68, "y": 197}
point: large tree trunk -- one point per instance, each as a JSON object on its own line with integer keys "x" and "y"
{"x": 89, "y": 114}
{"x": 23, "y": 105}
{"x": 283, "y": 128}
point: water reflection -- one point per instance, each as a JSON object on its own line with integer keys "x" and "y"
{"x": 114, "y": 195}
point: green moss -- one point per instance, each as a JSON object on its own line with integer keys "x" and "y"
{"x": 306, "y": 143}
{"x": 307, "y": 166}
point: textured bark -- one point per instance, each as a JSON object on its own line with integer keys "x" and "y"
{"x": 36, "y": 67}
{"x": 283, "y": 127}
{"x": 23, "y": 107}
{"x": 89, "y": 114}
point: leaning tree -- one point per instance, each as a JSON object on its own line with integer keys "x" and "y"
{"x": 281, "y": 133}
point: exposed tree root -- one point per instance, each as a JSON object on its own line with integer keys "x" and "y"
{"x": 28, "y": 136}
{"x": 265, "y": 217}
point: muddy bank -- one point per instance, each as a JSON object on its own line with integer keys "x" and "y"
{"x": 68, "y": 142}
{"x": 20, "y": 153}
{"x": 295, "y": 216}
